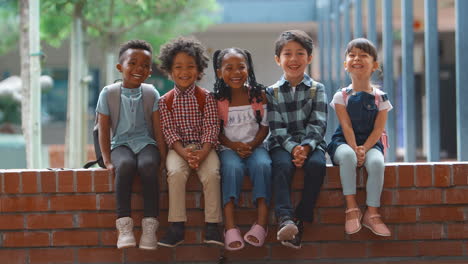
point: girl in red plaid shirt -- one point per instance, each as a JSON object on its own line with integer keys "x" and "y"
{"x": 189, "y": 120}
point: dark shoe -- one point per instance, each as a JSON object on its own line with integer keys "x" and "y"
{"x": 297, "y": 240}
{"x": 173, "y": 237}
{"x": 287, "y": 229}
{"x": 213, "y": 235}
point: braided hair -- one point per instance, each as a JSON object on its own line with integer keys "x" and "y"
{"x": 222, "y": 90}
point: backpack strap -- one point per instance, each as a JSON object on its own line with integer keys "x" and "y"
{"x": 148, "y": 97}
{"x": 199, "y": 93}
{"x": 313, "y": 89}
{"x": 113, "y": 102}
{"x": 223, "y": 111}
{"x": 345, "y": 92}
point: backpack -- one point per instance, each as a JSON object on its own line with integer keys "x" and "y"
{"x": 384, "y": 138}
{"x": 199, "y": 95}
{"x": 223, "y": 111}
{"x": 113, "y": 95}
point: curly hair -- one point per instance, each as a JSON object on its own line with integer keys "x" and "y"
{"x": 294, "y": 35}
{"x": 134, "y": 44}
{"x": 191, "y": 46}
{"x": 222, "y": 90}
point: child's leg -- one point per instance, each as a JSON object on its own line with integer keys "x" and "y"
{"x": 282, "y": 172}
{"x": 124, "y": 161}
{"x": 346, "y": 158}
{"x": 314, "y": 172}
{"x": 259, "y": 166}
{"x": 232, "y": 171}
{"x": 375, "y": 167}
{"x": 208, "y": 173}
{"x": 148, "y": 169}
{"x": 177, "y": 175}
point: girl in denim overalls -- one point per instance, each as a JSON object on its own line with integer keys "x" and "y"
{"x": 362, "y": 111}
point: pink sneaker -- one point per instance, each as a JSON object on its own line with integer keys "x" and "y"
{"x": 375, "y": 224}
{"x": 353, "y": 225}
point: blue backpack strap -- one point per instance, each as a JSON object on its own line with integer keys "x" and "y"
{"x": 148, "y": 97}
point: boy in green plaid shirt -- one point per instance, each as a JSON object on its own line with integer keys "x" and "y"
{"x": 297, "y": 115}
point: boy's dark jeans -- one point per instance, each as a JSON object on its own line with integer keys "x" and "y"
{"x": 128, "y": 164}
{"x": 283, "y": 170}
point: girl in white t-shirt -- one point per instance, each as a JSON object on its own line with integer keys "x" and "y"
{"x": 242, "y": 111}
{"x": 359, "y": 140}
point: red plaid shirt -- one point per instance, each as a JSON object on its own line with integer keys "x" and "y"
{"x": 186, "y": 123}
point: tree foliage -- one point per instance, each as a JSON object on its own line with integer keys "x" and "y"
{"x": 9, "y": 28}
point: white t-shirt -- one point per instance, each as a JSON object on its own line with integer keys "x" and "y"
{"x": 383, "y": 105}
{"x": 242, "y": 125}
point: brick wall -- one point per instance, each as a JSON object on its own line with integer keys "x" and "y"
{"x": 67, "y": 216}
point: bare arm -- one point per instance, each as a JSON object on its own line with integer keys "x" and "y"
{"x": 346, "y": 125}
{"x": 379, "y": 127}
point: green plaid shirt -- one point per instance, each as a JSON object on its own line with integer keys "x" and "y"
{"x": 297, "y": 118}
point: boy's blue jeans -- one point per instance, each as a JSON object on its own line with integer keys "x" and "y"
{"x": 233, "y": 169}
{"x": 283, "y": 171}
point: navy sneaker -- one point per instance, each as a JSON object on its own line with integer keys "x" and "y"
{"x": 287, "y": 229}
{"x": 173, "y": 237}
{"x": 213, "y": 235}
{"x": 297, "y": 240}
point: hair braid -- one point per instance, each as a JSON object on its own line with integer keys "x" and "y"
{"x": 221, "y": 90}
{"x": 255, "y": 88}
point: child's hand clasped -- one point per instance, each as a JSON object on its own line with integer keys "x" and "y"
{"x": 300, "y": 154}
{"x": 242, "y": 149}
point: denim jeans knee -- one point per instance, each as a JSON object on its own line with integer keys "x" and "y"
{"x": 232, "y": 174}
{"x": 259, "y": 169}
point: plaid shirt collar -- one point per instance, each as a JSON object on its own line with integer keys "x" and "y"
{"x": 188, "y": 91}
{"x": 306, "y": 80}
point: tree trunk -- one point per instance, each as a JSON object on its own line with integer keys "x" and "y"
{"x": 76, "y": 139}
{"x": 111, "y": 59}
{"x": 31, "y": 90}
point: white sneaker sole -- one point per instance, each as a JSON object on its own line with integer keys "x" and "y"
{"x": 287, "y": 232}
{"x": 147, "y": 248}
{"x": 126, "y": 245}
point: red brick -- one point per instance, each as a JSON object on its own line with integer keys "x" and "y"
{"x": 440, "y": 248}
{"x": 406, "y": 175}
{"x": 392, "y": 249}
{"x": 441, "y": 214}
{"x": 48, "y": 181}
{"x": 332, "y": 215}
{"x": 10, "y": 256}
{"x": 386, "y": 198}
{"x": 248, "y": 253}
{"x": 343, "y": 250}
{"x": 460, "y": 174}
{"x": 456, "y": 196}
{"x": 101, "y": 181}
{"x": 390, "y": 178}
{"x": 194, "y": 236}
{"x": 96, "y": 220}
{"x": 424, "y": 175}
{"x": 323, "y": 232}
{"x": 84, "y": 181}
{"x": 136, "y": 184}
{"x": 106, "y": 202}
{"x": 298, "y": 180}
{"x": 332, "y": 179}
{"x": 73, "y": 202}
{"x": 75, "y": 238}
{"x": 49, "y": 221}
{"x": 195, "y": 218}
{"x": 366, "y": 235}
{"x": 420, "y": 231}
{"x": 333, "y": 198}
{"x": 11, "y": 182}
{"x": 23, "y": 204}
{"x": 398, "y": 214}
{"x": 137, "y": 201}
{"x": 457, "y": 231}
{"x": 245, "y": 216}
{"x": 419, "y": 196}
{"x": 11, "y": 221}
{"x": 193, "y": 183}
{"x": 29, "y": 181}
{"x": 197, "y": 253}
{"x": 441, "y": 175}
{"x": 162, "y": 254}
{"x": 26, "y": 239}
{"x": 66, "y": 182}
{"x": 51, "y": 255}
{"x": 99, "y": 255}
{"x": 109, "y": 237}
{"x": 309, "y": 251}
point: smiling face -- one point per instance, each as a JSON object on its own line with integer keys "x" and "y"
{"x": 135, "y": 67}
{"x": 293, "y": 59}
{"x": 359, "y": 63}
{"x": 184, "y": 71}
{"x": 233, "y": 70}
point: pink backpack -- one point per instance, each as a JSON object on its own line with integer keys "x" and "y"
{"x": 384, "y": 137}
{"x": 223, "y": 110}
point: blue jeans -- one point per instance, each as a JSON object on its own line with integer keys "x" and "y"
{"x": 283, "y": 171}
{"x": 233, "y": 169}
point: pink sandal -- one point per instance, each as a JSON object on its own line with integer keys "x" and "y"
{"x": 353, "y": 226}
{"x": 258, "y": 232}
{"x": 233, "y": 235}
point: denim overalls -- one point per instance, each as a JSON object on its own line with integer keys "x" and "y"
{"x": 362, "y": 111}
